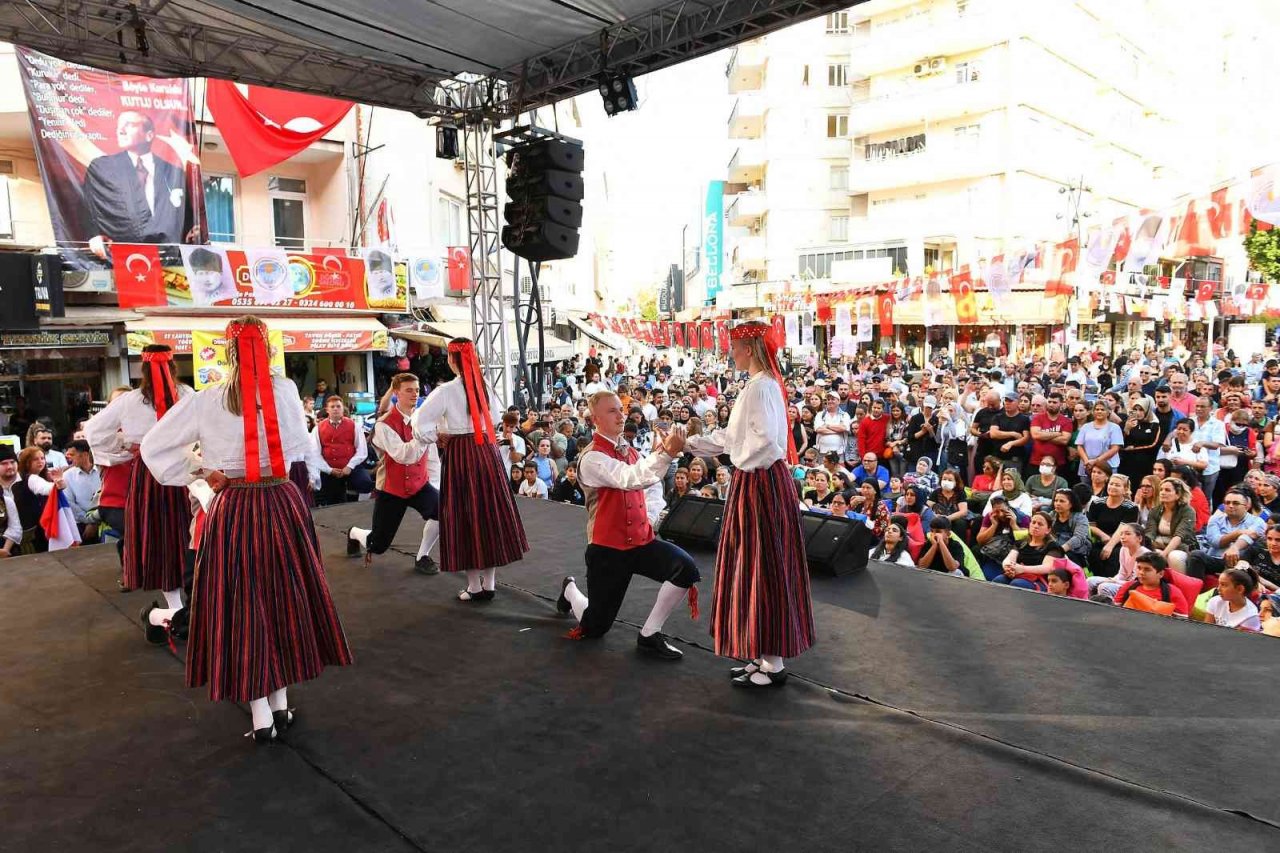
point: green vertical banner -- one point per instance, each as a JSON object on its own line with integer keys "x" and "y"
{"x": 713, "y": 239}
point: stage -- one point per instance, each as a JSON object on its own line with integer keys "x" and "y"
{"x": 935, "y": 713}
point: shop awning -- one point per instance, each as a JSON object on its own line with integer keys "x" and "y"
{"x": 301, "y": 334}
{"x": 603, "y": 338}
{"x": 440, "y": 332}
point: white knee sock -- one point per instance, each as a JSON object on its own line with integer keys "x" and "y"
{"x": 669, "y": 595}
{"x": 366, "y": 496}
{"x": 161, "y": 615}
{"x": 475, "y": 582}
{"x": 430, "y": 536}
{"x": 173, "y": 598}
{"x": 772, "y": 663}
{"x": 577, "y": 600}
{"x": 261, "y": 710}
{"x": 277, "y": 701}
{"x": 489, "y": 577}
{"x": 361, "y": 535}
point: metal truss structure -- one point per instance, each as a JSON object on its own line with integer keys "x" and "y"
{"x": 487, "y": 326}
{"x": 194, "y": 38}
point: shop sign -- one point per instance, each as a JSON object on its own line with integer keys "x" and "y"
{"x": 308, "y": 340}
{"x": 78, "y": 338}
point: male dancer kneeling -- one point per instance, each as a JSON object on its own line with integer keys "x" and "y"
{"x": 624, "y": 497}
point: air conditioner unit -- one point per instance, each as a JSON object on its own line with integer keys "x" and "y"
{"x": 938, "y": 64}
{"x": 921, "y": 68}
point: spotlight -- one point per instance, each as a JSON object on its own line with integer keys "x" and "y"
{"x": 619, "y": 93}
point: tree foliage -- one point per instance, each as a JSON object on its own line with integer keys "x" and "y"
{"x": 1263, "y": 249}
{"x": 648, "y": 302}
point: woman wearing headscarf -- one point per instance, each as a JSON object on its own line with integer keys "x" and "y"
{"x": 913, "y": 507}
{"x": 157, "y": 517}
{"x": 1010, "y": 487}
{"x": 762, "y": 610}
{"x": 1141, "y": 440}
{"x": 262, "y": 617}
{"x": 922, "y": 475}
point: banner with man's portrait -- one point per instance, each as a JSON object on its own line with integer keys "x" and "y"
{"x": 117, "y": 155}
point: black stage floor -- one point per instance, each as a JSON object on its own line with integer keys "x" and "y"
{"x": 935, "y": 713}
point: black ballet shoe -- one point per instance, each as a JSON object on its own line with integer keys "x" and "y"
{"x": 656, "y": 646}
{"x": 739, "y": 671}
{"x": 481, "y": 595}
{"x": 180, "y": 624}
{"x": 263, "y": 736}
{"x": 157, "y": 635}
{"x": 776, "y": 679}
{"x": 353, "y": 547}
{"x": 284, "y": 720}
{"x": 424, "y": 565}
{"x": 563, "y": 607}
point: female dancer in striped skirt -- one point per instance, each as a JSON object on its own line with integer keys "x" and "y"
{"x": 261, "y": 614}
{"x": 480, "y": 528}
{"x": 156, "y": 517}
{"x": 762, "y": 611}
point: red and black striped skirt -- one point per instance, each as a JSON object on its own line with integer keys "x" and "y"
{"x": 762, "y": 604}
{"x": 261, "y": 614}
{"x": 157, "y": 530}
{"x": 480, "y": 527}
{"x": 299, "y": 476}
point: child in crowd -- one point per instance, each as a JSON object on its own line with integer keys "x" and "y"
{"x": 1059, "y": 581}
{"x": 1151, "y": 582}
{"x": 1231, "y": 607}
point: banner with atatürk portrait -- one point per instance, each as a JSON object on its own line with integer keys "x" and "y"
{"x": 117, "y": 156}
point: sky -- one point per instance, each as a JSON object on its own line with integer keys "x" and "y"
{"x": 657, "y": 161}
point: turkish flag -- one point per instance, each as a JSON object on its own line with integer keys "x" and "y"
{"x": 966, "y": 302}
{"x": 1109, "y": 277}
{"x": 1257, "y": 292}
{"x": 1205, "y": 291}
{"x": 691, "y": 335}
{"x": 267, "y": 126}
{"x": 824, "y": 310}
{"x": 1065, "y": 257}
{"x": 779, "y": 328}
{"x": 722, "y": 335}
{"x": 678, "y": 333}
{"x": 708, "y": 336}
{"x": 139, "y": 276}
{"x": 459, "y": 269}
{"x": 886, "y": 314}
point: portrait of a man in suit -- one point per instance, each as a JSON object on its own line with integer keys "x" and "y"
{"x": 134, "y": 196}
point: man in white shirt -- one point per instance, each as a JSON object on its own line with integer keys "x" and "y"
{"x": 531, "y": 486}
{"x": 84, "y": 481}
{"x": 1209, "y": 434}
{"x": 620, "y": 537}
{"x": 11, "y": 532}
{"x": 832, "y": 426}
{"x": 510, "y": 444}
{"x": 43, "y": 439}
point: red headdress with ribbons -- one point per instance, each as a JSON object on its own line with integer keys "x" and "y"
{"x": 156, "y": 359}
{"x": 247, "y": 348}
{"x": 477, "y": 394}
{"x": 772, "y": 343}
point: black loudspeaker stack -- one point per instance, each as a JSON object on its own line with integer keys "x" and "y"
{"x": 693, "y": 522}
{"x": 544, "y": 191}
{"x": 835, "y": 546}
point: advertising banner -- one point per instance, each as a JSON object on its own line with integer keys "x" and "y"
{"x": 117, "y": 156}
{"x": 209, "y": 356}
{"x": 713, "y": 239}
{"x": 149, "y": 276}
{"x": 191, "y": 341}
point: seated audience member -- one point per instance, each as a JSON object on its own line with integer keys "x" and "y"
{"x": 1058, "y": 582}
{"x": 533, "y": 486}
{"x": 83, "y": 482}
{"x": 894, "y": 491}
{"x": 1070, "y": 526}
{"x": 922, "y": 476}
{"x": 1105, "y": 517}
{"x": 942, "y": 553}
{"x": 871, "y": 469}
{"x": 568, "y": 489}
{"x": 915, "y": 501}
{"x": 839, "y": 505}
{"x": 949, "y": 500}
{"x": 708, "y": 491}
{"x": 1030, "y": 560}
{"x": 1152, "y": 584}
{"x": 1227, "y": 534}
{"x": 988, "y": 480}
{"x": 821, "y": 495}
{"x": 841, "y": 480}
{"x": 1199, "y": 503}
{"x": 679, "y": 488}
{"x": 1231, "y": 607}
{"x": 867, "y": 501}
{"x": 1263, "y": 557}
{"x": 1011, "y": 489}
{"x": 1044, "y": 485}
{"x": 517, "y": 478}
{"x": 1171, "y": 524}
{"x": 1131, "y": 546}
{"x": 724, "y": 475}
{"x": 1147, "y": 498}
{"x": 995, "y": 538}
{"x": 893, "y": 548}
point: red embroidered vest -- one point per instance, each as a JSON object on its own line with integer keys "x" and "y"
{"x": 616, "y": 518}
{"x": 337, "y": 443}
{"x": 115, "y": 484}
{"x": 403, "y": 481}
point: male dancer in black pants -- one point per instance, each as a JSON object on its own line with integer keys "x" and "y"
{"x": 403, "y": 477}
{"x": 624, "y": 497}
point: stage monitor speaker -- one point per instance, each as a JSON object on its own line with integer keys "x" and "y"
{"x": 835, "y": 546}
{"x": 694, "y": 521}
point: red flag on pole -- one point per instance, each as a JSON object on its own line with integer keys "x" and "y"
{"x": 459, "y": 269}
{"x": 966, "y": 302}
{"x": 1205, "y": 291}
{"x": 722, "y": 335}
{"x": 886, "y": 314}
{"x": 1257, "y": 292}
{"x": 269, "y": 126}
{"x": 1065, "y": 257}
{"x": 708, "y": 343}
{"x": 678, "y": 333}
{"x": 139, "y": 275}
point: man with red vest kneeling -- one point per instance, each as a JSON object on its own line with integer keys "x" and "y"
{"x": 624, "y": 498}
{"x": 403, "y": 477}
{"x": 340, "y": 442}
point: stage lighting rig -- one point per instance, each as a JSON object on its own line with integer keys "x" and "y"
{"x": 619, "y": 93}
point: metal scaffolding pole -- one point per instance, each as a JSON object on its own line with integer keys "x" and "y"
{"x": 485, "y": 230}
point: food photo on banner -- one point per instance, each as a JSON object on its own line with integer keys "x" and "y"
{"x": 149, "y": 276}
{"x": 117, "y": 156}
{"x": 209, "y": 356}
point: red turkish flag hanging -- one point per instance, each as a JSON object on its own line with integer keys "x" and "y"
{"x": 1065, "y": 257}
{"x": 691, "y": 335}
{"x": 966, "y": 302}
{"x": 459, "y": 269}
{"x": 722, "y": 335}
{"x": 678, "y": 333}
{"x": 139, "y": 275}
{"x": 885, "y": 309}
{"x": 1257, "y": 292}
{"x": 708, "y": 341}
{"x": 267, "y": 126}
{"x": 824, "y": 310}
{"x": 779, "y": 329}
{"x": 1205, "y": 291}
